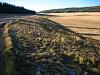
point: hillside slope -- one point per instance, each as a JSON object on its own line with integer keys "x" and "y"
{"x": 40, "y": 46}
{"x": 12, "y": 9}
{"x": 76, "y": 9}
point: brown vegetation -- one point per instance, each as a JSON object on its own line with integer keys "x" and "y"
{"x": 84, "y": 23}
{"x": 38, "y": 45}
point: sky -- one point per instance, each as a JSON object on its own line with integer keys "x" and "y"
{"x": 39, "y": 5}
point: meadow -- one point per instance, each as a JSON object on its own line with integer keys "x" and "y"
{"x": 85, "y": 23}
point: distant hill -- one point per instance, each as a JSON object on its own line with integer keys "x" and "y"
{"x": 76, "y": 9}
{"x": 12, "y": 9}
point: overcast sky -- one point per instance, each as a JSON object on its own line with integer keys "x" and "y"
{"x": 39, "y": 5}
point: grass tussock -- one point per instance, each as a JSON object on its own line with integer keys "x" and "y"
{"x": 8, "y": 52}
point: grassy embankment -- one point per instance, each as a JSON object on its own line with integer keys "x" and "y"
{"x": 8, "y": 53}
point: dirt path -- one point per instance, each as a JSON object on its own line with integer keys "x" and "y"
{"x": 1, "y": 51}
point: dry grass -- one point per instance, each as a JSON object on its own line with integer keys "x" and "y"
{"x": 8, "y": 53}
{"x": 85, "y": 23}
{"x": 39, "y": 41}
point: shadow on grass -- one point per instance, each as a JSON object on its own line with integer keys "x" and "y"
{"x": 81, "y": 27}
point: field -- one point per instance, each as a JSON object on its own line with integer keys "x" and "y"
{"x": 87, "y": 23}
{"x": 31, "y": 45}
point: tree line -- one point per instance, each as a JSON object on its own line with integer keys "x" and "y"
{"x": 81, "y": 9}
{"x": 12, "y": 9}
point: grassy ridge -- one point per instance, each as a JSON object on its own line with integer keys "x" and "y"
{"x": 40, "y": 46}
{"x": 8, "y": 52}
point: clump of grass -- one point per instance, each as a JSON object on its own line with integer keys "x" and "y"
{"x": 9, "y": 58}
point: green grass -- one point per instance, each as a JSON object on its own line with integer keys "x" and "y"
{"x": 9, "y": 58}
